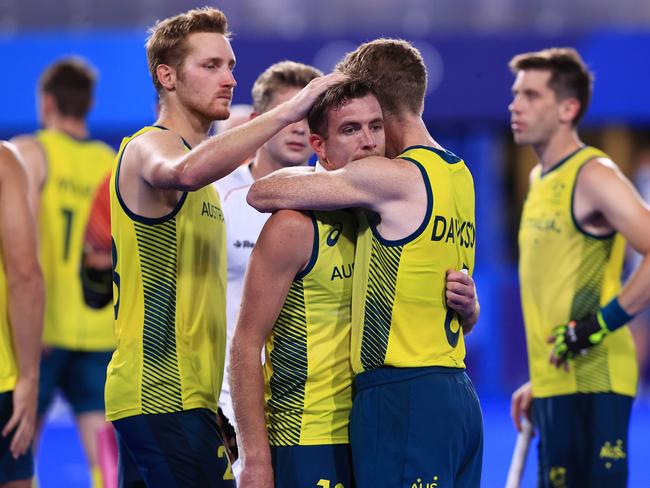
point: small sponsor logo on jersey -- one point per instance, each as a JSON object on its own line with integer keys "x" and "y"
{"x": 245, "y": 244}
{"x": 342, "y": 272}
{"x": 455, "y": 231}
{"x": 335, "y": 233}
{"x": 543, "y": 224}
{"x": 557, "y": 476}
{"x": 213, "y": 211}
{"x": 419, "y": 483}
{"x": 67, "y": 185}
{"x": 612, "y": 452}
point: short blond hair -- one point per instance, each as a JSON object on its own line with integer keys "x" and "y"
{"x": 285, "y": 74}
{"x": 166, "y": 41}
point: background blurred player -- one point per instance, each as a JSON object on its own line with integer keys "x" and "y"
{"x": 571, "y": 253}
{"x": 407, "y": 345}
{"x": 169, "y": 261}
{"x": 290, "y": 147}
{"x": 22, "y": 297}
{"x": 65, "y": 167}
{"x": 297, "y": 301}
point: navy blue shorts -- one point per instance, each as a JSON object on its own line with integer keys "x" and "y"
{"x": 582, "y": 440}
{"x": 416, "y": 427}
{"x": 81, "y": 375}
{"x": 12, "y": 469}
{"x": 325, "y": 466}
{"x": 172, "y": 450}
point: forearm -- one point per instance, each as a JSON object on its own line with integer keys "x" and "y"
{"x": 26, "y": 306}
{"x": 247, "y": 388}
{"x": 635, "y": 295}
{"x": 219, "y": 155}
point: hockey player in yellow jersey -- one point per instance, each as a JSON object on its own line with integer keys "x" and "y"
{"x": 571, "y": 243}
{"x": 169, "y": 255}
{"x": 297, "y": 300}
{"x": 21, "y": 321}
{"x": 65, "y": 167}
{"x": 415, "y": 416}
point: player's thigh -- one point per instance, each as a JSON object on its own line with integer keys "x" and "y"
{"x": 562, "y": 445}
{"x": 84, "y": 381}
{"x": 445, "y": 432}
{"x": 52, "y": 369}
{"x": 323, "y": 466}
{"x": 180, "y": 449}
{"x": 12, "y": 470}
{"x": 608, "y": 452}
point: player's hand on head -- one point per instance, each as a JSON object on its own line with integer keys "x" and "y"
{"x": 460, "y": 293}
{"x": 298, "y": 106}
{"x": 521, "y": 405}
{"x": 574, "y": 338}
{"x": 23, "y": 419}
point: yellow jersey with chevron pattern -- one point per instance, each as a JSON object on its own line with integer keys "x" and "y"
{"x": 400, "y": 317}
{"x": 307, "y": 373}
{"x": 75, "y": 168}
{"x": 566, "y": 273}
{"x": 8, "y": 365}
{"x": 169, "y": 289}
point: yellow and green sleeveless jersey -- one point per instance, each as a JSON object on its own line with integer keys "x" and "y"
{"x": 307, "y": 373}
{"x": 566, "y": 273}
{"x": 400, "y": 317}
{"x": 75, "y": 168}
{"x": 8, "y": 366}
{"x": 169, "y": 285}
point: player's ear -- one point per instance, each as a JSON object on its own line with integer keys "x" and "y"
{"x": 317, "y": 143}
{"x": 569, "y": 109}
{"x": 166, "y": 76}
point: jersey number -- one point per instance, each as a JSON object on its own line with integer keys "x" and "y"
{"x": 328, "y": 484}
{"x": 221, "y": 452}
{"x": 68, "y": 217}
{"x": 452, "y": 337}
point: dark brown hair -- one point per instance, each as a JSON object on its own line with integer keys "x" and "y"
{"x": 71, "y": 81}
{"x": 333, "y": 99}
{"x": 570, "y": 76}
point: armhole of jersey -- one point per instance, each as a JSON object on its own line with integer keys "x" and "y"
{"x": 133, "y": 215}
{"x": 425, "y": 221}
{"x": 46, "y": 166}
{"x": 314, "y": 250}
{"x": 573, "y": 216}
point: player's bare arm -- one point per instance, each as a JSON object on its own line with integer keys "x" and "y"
{"x": 462, "y": 298}
{"x": 26, "y": 296}
{"x": 282, "y": 250}
{"x": 374, "y": 183}
{"x": 164, "y": 166}
{"x": 621, "y": 209}
{"x": 33, "y": 157}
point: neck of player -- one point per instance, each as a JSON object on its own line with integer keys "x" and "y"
{"x": 558, "y": 147}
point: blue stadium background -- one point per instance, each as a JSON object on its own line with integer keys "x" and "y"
{"x": 466, "y": 45}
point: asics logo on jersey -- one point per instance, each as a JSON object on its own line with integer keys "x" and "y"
{"x": 456, "y": 231}
{"x": 334, "y": 234}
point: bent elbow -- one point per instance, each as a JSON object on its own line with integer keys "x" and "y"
{"x": 256, "y": 199}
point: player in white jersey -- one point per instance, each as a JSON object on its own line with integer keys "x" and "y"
{"x": 290, "y": 147}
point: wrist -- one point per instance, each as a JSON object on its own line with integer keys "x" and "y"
{"x": 613, "y": 316}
